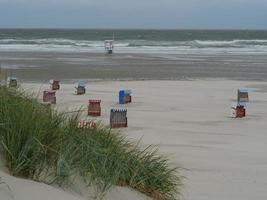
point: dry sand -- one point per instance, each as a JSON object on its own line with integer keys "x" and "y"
{"x": 225, "y": 158}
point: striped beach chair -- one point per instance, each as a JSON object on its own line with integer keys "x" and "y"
{"x": 12, "y": 81}
{"x": 118, "y": 118}
{"x": 238, "y": 110}
{"x": 49, "y": 96}
{"x": 242, "y": 95}
{"x": 54, "y": 84}
{"x": 80, "y": 89}
{"x": 94, "y": 107}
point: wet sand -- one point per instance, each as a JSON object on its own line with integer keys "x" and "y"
{"x": 42, "y": 66}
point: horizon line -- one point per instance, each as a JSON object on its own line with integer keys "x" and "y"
{"x": 158, "y": 29}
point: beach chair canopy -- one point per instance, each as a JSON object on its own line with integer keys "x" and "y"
{"x": 54, "y": 80}
{"x": 12, "y": 78}
{"x": 242, "y": 95}
{"x": 81, "y": 83}
{"x": 125, "y": 92}
{"x": 243, "y": 90}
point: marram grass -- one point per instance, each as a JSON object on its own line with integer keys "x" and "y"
{"x": 45, "y": 145}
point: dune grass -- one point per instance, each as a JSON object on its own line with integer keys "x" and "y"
{"x": 45, "y": 145}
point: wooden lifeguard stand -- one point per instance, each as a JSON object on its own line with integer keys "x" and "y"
{"x": 49, "y": 96}
{"x": 54, "y": 84}
{"x": 12, "y": 81}
{"x": 94, "y": 107}
{"x": 80, "y": 89}
{"x": 118, "y": 118}
{"x": 125, "y": 96}
{"x": 109, "y": 46}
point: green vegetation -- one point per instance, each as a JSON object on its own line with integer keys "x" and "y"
{"x": 45, "y": 145}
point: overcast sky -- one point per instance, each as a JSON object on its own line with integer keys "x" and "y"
{"x": 212, "y": 14}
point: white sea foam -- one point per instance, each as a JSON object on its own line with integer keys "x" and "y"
{"x": 135, "y": 46}
{"x": 15, "y": 66}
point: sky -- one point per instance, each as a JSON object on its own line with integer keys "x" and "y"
{"x": 143, "y": 14}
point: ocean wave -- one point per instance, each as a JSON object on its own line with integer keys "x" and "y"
{"x": 200, "y": 43}
{"x": 136, "y": 43}
{"x": 139, "y": 46}
{"x": 56, "y": 42}
{"x": 231, "y": 43}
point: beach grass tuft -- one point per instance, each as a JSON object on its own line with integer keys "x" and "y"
{"x": 45, "y": 145}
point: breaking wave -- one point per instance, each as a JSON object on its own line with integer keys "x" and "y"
{"x": 61, "y": 44}
{"x": 202, "y": 43}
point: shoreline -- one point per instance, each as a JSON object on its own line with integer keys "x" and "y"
{"x": 38, "y": 66}
{"x": 93, "y": 81}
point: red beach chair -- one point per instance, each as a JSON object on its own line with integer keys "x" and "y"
{"x": 49, "y": 96}
{"x": 55, "y": 84}
{"x": 240, "y": 112}
{"x": 94, "y": 108}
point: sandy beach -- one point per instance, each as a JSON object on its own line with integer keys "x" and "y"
{"x": 196, "y": 119}
{"x": 223, "y": 157}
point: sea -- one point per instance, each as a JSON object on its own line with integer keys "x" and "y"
{"x": 42, "y": 54}
{"x": 136, "y": 41}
